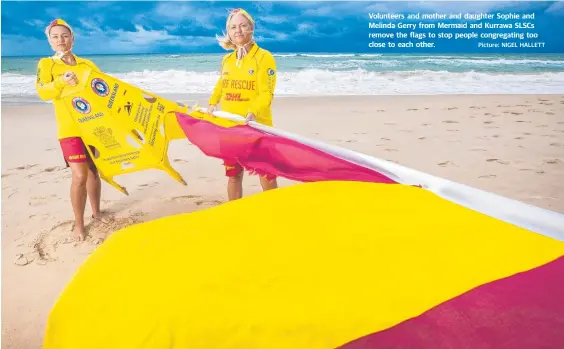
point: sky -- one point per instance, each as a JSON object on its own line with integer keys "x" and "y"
{"x": 129, "y": 27}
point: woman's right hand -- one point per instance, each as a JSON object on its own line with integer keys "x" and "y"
{"x": 70, "y": 78}
{"x": 211, "y": 109}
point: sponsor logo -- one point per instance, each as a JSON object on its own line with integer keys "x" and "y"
{"x": 235, "y": 97}
{"x": 90, "y": 117}
{"x": 251, "y": 72}
{"x": 270, "y": 71}
{"x": 100, "y": 87}
{"x": 81, "y": 105}
{"x": 76, "y": 157}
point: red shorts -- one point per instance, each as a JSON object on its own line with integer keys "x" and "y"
{"x": 233, "y": 169}
{"x": 74, "y": 150}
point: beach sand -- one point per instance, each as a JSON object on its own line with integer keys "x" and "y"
{"x": 511, "y": 145}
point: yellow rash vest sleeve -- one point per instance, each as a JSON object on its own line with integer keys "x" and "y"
{"x": 47, "y": 87}
{"x": 266, "y": 84}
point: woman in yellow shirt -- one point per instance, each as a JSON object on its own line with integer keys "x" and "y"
{"x": 53, "y": 74}
{"x": 245, "y": 87}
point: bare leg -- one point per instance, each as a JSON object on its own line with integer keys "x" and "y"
{"x": 235, "y": 187}
{"x": 94, "y": 190}
{"x": 78, "y": 197}
{"x": 267, "y": 184}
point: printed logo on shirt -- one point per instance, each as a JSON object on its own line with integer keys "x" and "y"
{"x": 235, "y": 97}
{"x": 81, "y": 105}
{"x": 100, "y": 87}
{"x": 270, "y": 71}
{"x": 251, "y": 72}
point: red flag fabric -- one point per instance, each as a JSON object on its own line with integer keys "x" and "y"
{"x": 521, "y": 311}
{"x": 267, "y": 154}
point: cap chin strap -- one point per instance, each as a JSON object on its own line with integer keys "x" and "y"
{"x": 61, "y": 54}
{"x": 241, "y": 51}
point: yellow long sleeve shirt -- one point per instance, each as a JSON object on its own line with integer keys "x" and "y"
{"x": 50, "y": 85}
{"x": 248, "y": 87}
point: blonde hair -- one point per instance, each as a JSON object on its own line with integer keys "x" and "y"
{"x": 224, "y": 40}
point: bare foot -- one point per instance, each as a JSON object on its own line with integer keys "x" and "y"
{"x": 102, "y": 218}
{"x": 78, "y": 234}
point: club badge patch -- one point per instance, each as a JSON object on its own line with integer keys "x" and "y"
{"x": 81, "y": 105}
{"x": 100, "y": 87}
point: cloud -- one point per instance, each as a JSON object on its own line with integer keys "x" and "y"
{"x": 556, "y": 8}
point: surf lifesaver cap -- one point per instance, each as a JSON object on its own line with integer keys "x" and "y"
{"x": 241, "y": 11}
{"x": 58, "y": 21}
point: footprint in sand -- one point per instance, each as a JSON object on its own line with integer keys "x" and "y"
{"x": 489, "y": 176}
{"x": 519, "y": 137}
{"x": 152, "y": 184}
{"x": 477, "y": 149}
{"x": 541, "y": 126}
{"x": 426, "y": 108}
{"x": 53, "y": 169}
{"x": 24, "y": 167}
{"x": 390, "y": 149}
{"x": 552, "y": 162}
{"x": 488, "y": 122}
{"x": 549, "y": 113}
{"x": 425, "y": 124}
{"x": 421, "y": 138}
{"x": 179, "y": 160}
{"x": 208, "y": 202}
{"x": 530, "y": 169}
{"x": 452, "y": 108}
{"x": 389, "y": 123}
{"x": 453, "y": 130}
{"x": 498, "y": 161}
{"x": 450, "y": 122}
{"x": 44, "y": 247}
{"x": 556, "y": 145}
{"x": 385, "y": 139}
{"x": 495, "y": 136}
{"x": 410, "y": 109}
{"x": 523, "y": 121}
{"x": 534, "y": 111}
{"x": 446, "y": 163}
{"x": 380, "y": 110}
{"x": 184, "y": 198}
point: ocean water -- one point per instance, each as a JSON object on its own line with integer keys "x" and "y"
{"x": 303, "y": 74}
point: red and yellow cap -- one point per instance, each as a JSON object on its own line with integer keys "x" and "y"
{"x": 240, "y": 11}
{"x": 57, "y": 21}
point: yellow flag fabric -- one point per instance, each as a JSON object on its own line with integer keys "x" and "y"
{"x": 315, "y": 265}
{"x": 129, "y": 128}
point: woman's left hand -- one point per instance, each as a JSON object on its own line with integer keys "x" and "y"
{"x": 250, "y": 117}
